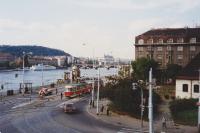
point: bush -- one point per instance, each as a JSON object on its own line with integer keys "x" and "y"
{"x": 184, "y": 111}
{"x": 173, "y": 97}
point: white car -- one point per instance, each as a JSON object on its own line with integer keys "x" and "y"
{"x": 69, "y": 108}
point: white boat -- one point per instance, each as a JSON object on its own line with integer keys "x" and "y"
{"x": 41, "y": 67}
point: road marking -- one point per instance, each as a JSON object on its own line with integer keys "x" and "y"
{"x": 25, "y": 98}
{"x": 23, "y": 104}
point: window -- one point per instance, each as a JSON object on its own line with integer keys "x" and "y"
{"x": 160, "y": 40}
{"x": 180, "y": 40}
{"x": 149, "y": 48}
{"x": 180, "y": 57}
{"x": 180, "y": 48}
{"x": 193, "y": 40}
{"x": 150, "y": 41}
{"x": 196, "y": 88}
{"x": 159, "y": 56}
{"x": 140, "y": 41}
{"x": 185, "y": 87}
{"x": 169, "y": 48}
{"x": 140, "y": 49}
{"x": 170, "y": 40}
{"x": 192, "y": 48}
{"x": 159, "y": 48}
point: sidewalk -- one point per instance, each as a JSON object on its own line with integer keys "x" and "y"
{"x": 133, "y": 123}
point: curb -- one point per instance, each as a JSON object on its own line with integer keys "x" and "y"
{"x": 108, "y": 122}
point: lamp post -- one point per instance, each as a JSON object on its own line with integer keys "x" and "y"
{"x": 98, "y": 91}
{"x": 93, "y": 78}
{"x": 23, "y": 89}
{"x": 150, "y": 103}
{"x": 199, "y": 106}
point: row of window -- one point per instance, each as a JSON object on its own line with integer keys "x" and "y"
{"x": 179, "y": 48}
{"x": 196, "y": 88}
{"x": 170, "y": 40}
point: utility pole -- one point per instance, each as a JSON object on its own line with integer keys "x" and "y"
{"x": 42, "y": 74}
{"x": 98, "y": 91}
{"x": 199, "y": 107}
{"x": 23, "y": 91}
{"x": 142, "y": 109}
{"x": 150, "y": 103}
{"x": 93, "y": 83}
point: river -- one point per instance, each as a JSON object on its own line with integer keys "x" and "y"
{"x": 11, "y": 82}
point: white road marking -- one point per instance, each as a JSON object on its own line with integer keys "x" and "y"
{"x": 23, "y": 104}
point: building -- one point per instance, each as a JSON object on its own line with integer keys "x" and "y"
{"x": 188, "y": 81}
{"x": 43, "y": 60}
{"x": 6, "y": 57}
{"x": 61, "y": 60}
{"x": 169, "y": 45}
{"x": 107, "y": 60}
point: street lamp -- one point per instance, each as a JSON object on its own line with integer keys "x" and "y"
{"x": 93, "y": 62}
{"x": 199, "y": 106}
{"x": 98, "y": 91}
{"x": 24, "y": 53}
{"x": 135, "y": 87}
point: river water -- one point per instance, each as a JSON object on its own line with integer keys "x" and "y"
{"x": 11, "y": 82}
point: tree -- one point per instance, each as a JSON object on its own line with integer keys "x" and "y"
{"x": 172, "y": 71}
{"x": 125, "y": 99}
{"x": 141, "y": 68}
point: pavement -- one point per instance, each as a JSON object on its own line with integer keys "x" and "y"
{"x": 131, "y": 124}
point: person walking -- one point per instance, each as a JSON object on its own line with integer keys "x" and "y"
{"x": 164, "y": 126}
{"x": 61, "y": 95}
{"x": 90, "y": 103}
{"x": 56, "y": 91}
{"x": 107, "y": 111}
{"x": 102, "y": 108}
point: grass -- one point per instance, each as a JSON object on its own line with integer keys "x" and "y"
{"x": 188, "y": 117}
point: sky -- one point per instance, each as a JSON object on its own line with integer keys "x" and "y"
{"x": 87, "y": 28}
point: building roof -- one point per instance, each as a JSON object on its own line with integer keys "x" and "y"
{"x": 191, "y": 70}
{"x": 173, "y": 32}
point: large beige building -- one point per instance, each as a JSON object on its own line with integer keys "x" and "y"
{"x": 169, "y": 45}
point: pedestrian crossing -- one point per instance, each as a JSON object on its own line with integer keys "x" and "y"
{"x": 132, "y": 130}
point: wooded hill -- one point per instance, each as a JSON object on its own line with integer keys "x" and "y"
{"x": 36, "y": 50}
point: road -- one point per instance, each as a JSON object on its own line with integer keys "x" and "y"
{"x": 46, "y": 116}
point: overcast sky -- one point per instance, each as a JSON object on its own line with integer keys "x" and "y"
{"x": 103, "y": 26}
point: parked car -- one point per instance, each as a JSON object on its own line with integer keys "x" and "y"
{"x": 69, "y": 108}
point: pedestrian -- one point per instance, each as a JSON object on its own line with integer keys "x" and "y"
{"x": 102, "y": 108}
{"x": 61, "y": 95}
{"x": 90, "y": 103}
{"x": 108, "y": 111}
{"x": 164, "y": 126}
{"x": 56, "y": 91}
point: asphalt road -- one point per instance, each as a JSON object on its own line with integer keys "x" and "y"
{"x": 48, "y": 117}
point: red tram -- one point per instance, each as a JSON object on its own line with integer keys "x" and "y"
{"x": 74, "y": 90}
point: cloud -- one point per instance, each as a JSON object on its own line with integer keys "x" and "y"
{"x": 180, "y": 5}
{"x": 68, "y": 36}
